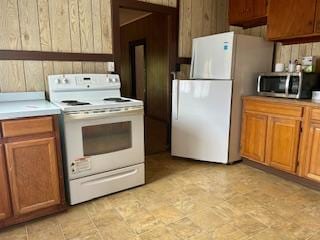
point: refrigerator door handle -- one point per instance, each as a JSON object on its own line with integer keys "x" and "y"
{"x": 177, "y": 100}
{"x": 192, "y": 62}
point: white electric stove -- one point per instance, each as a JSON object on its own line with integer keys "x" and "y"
{"x": 102, "y": 133}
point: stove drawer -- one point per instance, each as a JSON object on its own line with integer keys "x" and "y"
{"x": 87, "y": 188}
{"x": 27, "y": 126}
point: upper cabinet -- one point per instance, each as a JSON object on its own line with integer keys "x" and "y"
{"x": 248, "y": 13}
{"x": 288, "y": 19}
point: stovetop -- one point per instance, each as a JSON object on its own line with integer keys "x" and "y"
{"x": 94, "y": 104}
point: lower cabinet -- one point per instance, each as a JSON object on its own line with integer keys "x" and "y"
{"x": 5, "y": 206}
{"x": 33, "y": 174}
{"x": 312, "y": 161}
{"x": 283, "y": 134}
{"x": 31, "y": 177}
{"x": 283, "y": 143}
{"x": 254, "y": 133}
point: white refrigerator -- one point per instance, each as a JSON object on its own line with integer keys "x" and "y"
{"x": 207, "y": 108}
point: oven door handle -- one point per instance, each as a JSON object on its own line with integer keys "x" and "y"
{"x": 99, "y": 115}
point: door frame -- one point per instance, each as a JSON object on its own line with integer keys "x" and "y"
{"x": 172, "y": 14}
{"x": 132, "y": 45}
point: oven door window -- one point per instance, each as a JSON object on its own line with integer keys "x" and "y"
{"x": 106, "y": 138}
{"x": 273, "y": 84}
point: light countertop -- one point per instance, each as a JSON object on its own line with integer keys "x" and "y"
{"x": 20, "y": 105}
{"x": 300, "y": 102}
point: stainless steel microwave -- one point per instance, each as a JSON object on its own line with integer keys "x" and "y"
{"x": 288, "y": 85}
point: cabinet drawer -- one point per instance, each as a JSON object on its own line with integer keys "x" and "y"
{"x": 21, "y": 127}
{"x": 315, "y": 115}
{"x": 273, "y": 108}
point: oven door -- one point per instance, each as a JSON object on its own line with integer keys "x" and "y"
{"x": 100, "y": 142}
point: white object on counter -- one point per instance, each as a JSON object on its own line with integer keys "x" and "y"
{"x": 292, "y": 67}
{"x": 316, "y": 96}
{"x": 25, "y": 104}
{"x": 279, "y": 67}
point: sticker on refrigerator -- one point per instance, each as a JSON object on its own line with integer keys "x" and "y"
{"x": 226, "y": 46}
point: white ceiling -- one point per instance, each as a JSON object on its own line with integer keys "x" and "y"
{"x": 128, "y": 15}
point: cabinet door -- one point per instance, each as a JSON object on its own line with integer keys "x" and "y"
{"x": 5, "y": 208}
{"x": 312, "y": 167}
{"x": 290, "y": 18}
{"x": 282, "y": 143}
{"x": 33, "y": 174}
{"x": 259, "y": 8}
{"x": 317, "y": 20}
{"x": 237, "y": 11}
{"x": 253, "y": 139}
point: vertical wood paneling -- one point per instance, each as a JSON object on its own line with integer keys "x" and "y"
{"x": 33, "y": 72}
{"x": 97, "y": 33}
{"x": 60, "y": 27}
{"x": 9, "y": 25}
{"x": 12, "y": 76}
{"x": 185, "y": 38}
{"x": 47, "y": 70}
{"x": 86, "y": 31}
{"x": 29, "y": 25}
{"x": 200, "y": 18}
{"x": 197, "y": 18}
{"x": 44, "y": 25}
{"x": 106, "y": 28}
{"x": 57, "y": 25}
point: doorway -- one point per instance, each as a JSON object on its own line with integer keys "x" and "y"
{"x": 137, "y": 51}
{"x": 144, "y": 58}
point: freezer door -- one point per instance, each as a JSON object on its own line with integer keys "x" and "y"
{"x": 201, "y": 119}
{"x": 212, "y": 57}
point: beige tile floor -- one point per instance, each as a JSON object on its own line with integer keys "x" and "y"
{"x": 186, "y": 199}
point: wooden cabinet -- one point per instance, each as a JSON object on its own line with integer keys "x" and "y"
{"x": 271, "y": 133}
{"x": 282, "y": 143}
{"x": 317, "y": 18}
{"x": 253, "y": 138}
{"x": 31, "y": 178}
{"x": 33, "y": 188}
{"x": 248, "y": 13}
{"x": 5, "y": 207}
{"x": 312, "y": 163}
{"x": 292, "y": 19}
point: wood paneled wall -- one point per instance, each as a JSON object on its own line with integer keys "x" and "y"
{"x": 200, "y": 18}
{"x": 83, "y": 26}
{"x": 51, "y": 25}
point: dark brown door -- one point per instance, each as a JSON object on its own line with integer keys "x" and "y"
{"x": 5, "y": 207}
{"x": 291, "y": 18}
{"x": 33, "y": 174}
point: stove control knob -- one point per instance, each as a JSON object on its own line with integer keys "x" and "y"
{"x": 64, "y": 81}
{"x": 57, "y": 81}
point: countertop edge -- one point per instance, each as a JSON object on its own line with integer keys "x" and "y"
{"x": 297, "y": 102}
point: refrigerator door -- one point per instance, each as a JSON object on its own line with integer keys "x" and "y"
{"x": 212, "y": 57}
{"x": 201, "y": 119}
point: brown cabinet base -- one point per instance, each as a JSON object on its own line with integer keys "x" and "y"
{"x": 34, "y": 215}
{"x": 288, "y": 176}
{"x": 42, "y": 148}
